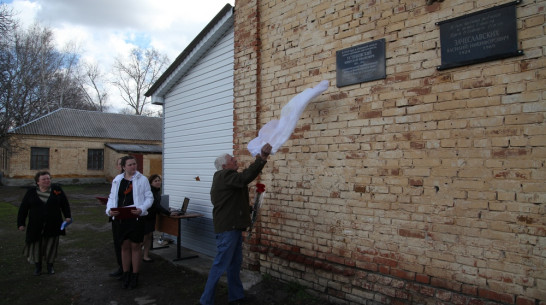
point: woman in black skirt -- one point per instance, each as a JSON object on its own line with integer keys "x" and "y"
{"x": 130, "y": 190}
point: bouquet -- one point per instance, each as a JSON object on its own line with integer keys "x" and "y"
{"x": 258, "y": 198}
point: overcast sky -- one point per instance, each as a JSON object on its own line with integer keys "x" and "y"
{"x": 104, "y": 29}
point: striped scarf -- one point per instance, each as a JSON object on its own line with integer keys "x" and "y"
{"x": 44, "y": 196}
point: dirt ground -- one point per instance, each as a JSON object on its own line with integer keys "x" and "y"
{"x": 86, "y": 258}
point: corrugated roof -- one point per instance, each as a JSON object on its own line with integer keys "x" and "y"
{"x": 93, "y": 124}
{"x": 142, "y": 148}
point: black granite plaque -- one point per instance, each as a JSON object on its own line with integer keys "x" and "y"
{"x": 361, "y": 63}
{"x": 482, "y": 36}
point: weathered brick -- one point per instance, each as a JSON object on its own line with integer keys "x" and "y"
{"x": 496, "y": 296}
{"x": 524, "y": 301}
{"x": 438, "y": 169}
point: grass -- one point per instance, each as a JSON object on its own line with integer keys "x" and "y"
{"x": 8, "y": 216}
{"x": 86, "y": 257}
{"x": 18, "y": 285}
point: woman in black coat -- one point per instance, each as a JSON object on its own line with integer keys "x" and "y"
{"x": 45, "y": 207}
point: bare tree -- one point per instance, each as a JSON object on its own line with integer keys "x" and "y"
{"x": 70, "y": 93}
{"x": 7, "y": 27}
{"x": 6, "y": 20}
{"x": 92, "y": 82}
{"x": 137, "y": 74}
{"x": 24, "y": 71}
{"x": 36, "y": 78}
{"x": 31, "y": 65}
{"x": 67, "y": 72}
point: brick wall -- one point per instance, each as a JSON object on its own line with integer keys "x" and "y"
{"x": 427, "y": 187}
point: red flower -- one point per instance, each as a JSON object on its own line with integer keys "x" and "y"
{"x": 260, "y": 188}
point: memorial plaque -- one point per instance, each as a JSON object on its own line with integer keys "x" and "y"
{"x": 486, "y": 35}
{"x": 361, "y": 63}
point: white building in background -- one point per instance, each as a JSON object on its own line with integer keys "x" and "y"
{"x": 196, "y": 93}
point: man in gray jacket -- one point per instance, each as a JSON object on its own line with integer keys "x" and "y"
{"x": 231, "y": 216}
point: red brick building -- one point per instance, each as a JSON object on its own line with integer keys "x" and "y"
{"x": 423, "y": 187}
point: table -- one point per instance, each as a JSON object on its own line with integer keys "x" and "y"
{"x": 172, "y": 225}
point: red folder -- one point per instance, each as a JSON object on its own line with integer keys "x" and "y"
{"x": 125, "y": 212}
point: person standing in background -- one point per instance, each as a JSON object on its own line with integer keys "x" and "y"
{"x": 45, "y": 206}
{"x": 117, "y": 243}
{"x": 130, "y": 189}
{"x": 149, "y": 227}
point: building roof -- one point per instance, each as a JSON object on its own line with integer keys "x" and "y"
{"x": 93, "y": 124}
{"x": 141, "y": 148}
{"x": 202, "y": 42}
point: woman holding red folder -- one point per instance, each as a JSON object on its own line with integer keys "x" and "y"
{"x": 130, "y": 190}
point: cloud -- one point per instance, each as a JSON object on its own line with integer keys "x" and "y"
{"x": 106, "y": 29}
{"x": 128, "y": 14}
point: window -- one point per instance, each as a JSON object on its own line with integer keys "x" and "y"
{"x": 95, "y": 159}
{"x": 39, "y": 158}
{"x": 3, "y": 159}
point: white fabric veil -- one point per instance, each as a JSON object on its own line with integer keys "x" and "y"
{"x": 276, "y": 132}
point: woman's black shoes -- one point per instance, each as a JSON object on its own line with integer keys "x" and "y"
{"x": 134, "y": 281}
{"x": 38, "y": 268}
{"x": 50, "y": 269}
{"x": 129, "y": 280}
{"x": 125, "y": 280}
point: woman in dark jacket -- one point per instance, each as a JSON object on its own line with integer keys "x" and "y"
{"x": 45, "y": 207}
{"x": 149, "y": 224}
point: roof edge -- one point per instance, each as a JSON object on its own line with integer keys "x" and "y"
{"x": 14, "y": 129}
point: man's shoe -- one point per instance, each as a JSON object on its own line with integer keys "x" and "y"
{"x": 239, "y": 302}
{"x": 117, "y": 273}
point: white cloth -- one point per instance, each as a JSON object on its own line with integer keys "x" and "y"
{"x": 142, "y": 194}
{"x": 276, "y": 132}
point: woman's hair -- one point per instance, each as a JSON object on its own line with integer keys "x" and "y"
{"x": 40, "y": 173}
{"x": 120, "y": 168}
{"x": 124, "y": 160}
{"x": 220, "y": 161}
{"x": 153, "y": 177}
